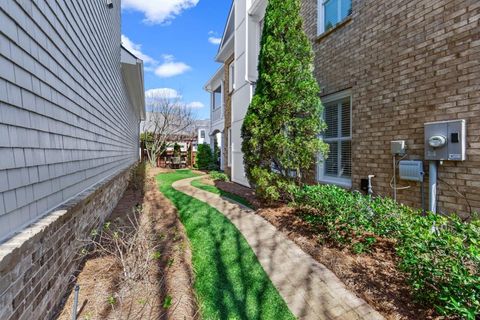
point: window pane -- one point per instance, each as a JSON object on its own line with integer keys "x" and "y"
{"x": 346, "y": 9}
{"x": 346, "y": 161}
{"x": 331, "y": 119}
{"x": 331, "y": 163}
{"x": 217, "y": 98}
{"x": 346, "y": 130}
{"x": 331, "y": 14}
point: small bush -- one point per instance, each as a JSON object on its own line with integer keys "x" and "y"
{"x": 204, "y": 157}
{"x": 439, "y": 254}
{"x": 219, "y": 176}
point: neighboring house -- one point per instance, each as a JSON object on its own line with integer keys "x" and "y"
{"x": 202, "y": 129}
{"x": 216, "y": 88}
{"x": 235, "y": 80}
{"x": 385, "y": 69}
{"x": 71, "y": 101}
{"x": 224, "y": 80}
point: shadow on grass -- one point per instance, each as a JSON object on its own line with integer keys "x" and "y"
{"x": 230, "y": 282}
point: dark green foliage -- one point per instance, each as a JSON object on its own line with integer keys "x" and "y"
{"x": 230, "y": 283}
{"x": 216, "y": 156}
{"x": 440, "y": 254}
{"x": 204, "y": 157}
{"x": 177, "y": 150}
{"x": 281, "y": 128}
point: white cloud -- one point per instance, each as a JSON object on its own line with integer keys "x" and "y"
{"x": 214, "y": 40}
{"x": 162, "y": 93}
{"x": 159, "y": 11}
{"x": 170, "y": 68}
{"x": 196, "y": 105}
{"x": 136, "y": 49}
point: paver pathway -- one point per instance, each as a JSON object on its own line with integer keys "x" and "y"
{"x": 310, "y": 290}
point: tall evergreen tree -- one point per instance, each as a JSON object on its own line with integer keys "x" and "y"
{"x": 280, "y": 131}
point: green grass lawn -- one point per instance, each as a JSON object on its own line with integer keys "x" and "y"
{"x": 230, "y": 282}
{"x": 199, "y": 184}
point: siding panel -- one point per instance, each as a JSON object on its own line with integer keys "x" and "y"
{"x": 66, "y": 121}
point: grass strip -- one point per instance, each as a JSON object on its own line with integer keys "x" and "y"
{"x": 213, "y": 189}
{"x": 230, "y": 282}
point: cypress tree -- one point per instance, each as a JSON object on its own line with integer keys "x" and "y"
{"x": 204, "y": 157}
{"x": 283, "y": 122}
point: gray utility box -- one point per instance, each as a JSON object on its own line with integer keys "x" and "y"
{"x": 446, "y": 140}
{"x": 411, "y": 170}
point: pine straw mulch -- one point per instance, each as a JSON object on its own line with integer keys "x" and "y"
{"x": 372, "y": 276}
{"x": 103, "y": 293}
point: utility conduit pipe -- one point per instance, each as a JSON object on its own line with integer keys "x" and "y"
{"x": 432, "y": 181}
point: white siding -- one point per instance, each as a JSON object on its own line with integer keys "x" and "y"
{"x": 246, "y": 61}
{"x": 66, "y": 121}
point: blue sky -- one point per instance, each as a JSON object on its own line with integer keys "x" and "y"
{"x": 177, "y": 39}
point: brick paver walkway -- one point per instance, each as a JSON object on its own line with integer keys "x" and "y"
{"x": 310, "y": 290}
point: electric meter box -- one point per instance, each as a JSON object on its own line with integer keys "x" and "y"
{"x": 446, "y": 140}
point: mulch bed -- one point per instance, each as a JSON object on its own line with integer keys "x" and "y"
{"x": 372, "y": 276}
{"x": 169, "y": 276}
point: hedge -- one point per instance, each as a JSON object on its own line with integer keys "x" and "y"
{"x": 440, "y": 254}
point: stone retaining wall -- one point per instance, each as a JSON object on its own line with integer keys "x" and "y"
{"x": 37, "y": 264}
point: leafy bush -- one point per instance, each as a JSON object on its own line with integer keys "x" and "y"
{"x": 220, "y": 176}
{"x": 205, "y": 159}
{"x": 439, "y": 254}
{"x": 282, "y": 124}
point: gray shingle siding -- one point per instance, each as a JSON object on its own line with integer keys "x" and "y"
{"x": 66, "y": 121}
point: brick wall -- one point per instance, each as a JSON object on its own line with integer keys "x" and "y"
{"x": 66, "y": 120}
{"x": 406, "y": 63}
{"x": 228, "y": 114}
{"x": 37, "y": 265}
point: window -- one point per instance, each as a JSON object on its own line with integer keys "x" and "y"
{"x": 217, "y": 98}
{"x": 332, "y": 12}
{"x": 202, "y": 134}
{"x": 231, "y": 77}
{"x": 337, "y": 168}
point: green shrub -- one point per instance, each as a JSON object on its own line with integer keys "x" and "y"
{"x": 218, "y": 176}
{"x": 282, "y": 124}
{"x": 204, "y": 157}
{"x": 439, "y": 254}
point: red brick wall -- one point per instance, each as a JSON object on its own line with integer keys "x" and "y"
{"x": 406, "y": 63}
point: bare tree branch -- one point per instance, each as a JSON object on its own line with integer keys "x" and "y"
{"x": 167, "y": 119}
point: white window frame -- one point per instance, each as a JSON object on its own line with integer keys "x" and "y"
{"x": 321, "y": 177}
{"x": 321, "y": 15}
{"x": 214, "y": 107}
{"x": 231, "y": 77}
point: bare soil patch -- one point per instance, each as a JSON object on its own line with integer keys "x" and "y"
{"x": 372, "y": 276}
{"x": 159, "y": 286}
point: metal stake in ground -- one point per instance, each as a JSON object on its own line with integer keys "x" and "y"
{"x": 75, "y": 302}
